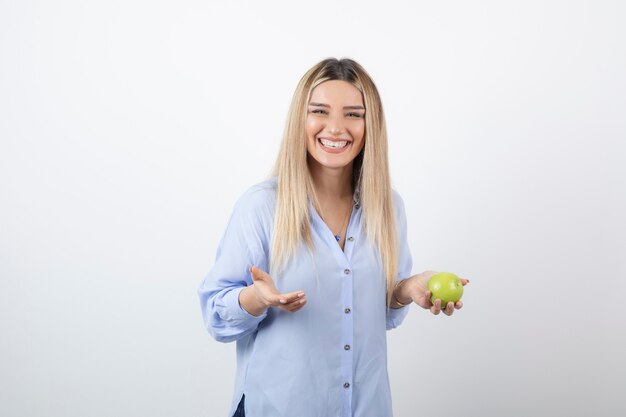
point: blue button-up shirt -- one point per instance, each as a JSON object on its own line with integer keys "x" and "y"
{"x": 330, "y": 357}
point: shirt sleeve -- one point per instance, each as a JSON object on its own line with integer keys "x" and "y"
{"x": 395, "y": 316}
{"x": 243, "y": 244}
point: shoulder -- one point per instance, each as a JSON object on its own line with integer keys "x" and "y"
{"x": 260, "y": 193}
{"x": 259, "y": 199}
{"x": 398, "y": 202}
{"x": 399, "y": 209}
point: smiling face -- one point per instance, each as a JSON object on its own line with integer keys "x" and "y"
{"x": 335, "y": 124}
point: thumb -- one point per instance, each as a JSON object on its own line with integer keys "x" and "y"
{"x": 257, "y": 273}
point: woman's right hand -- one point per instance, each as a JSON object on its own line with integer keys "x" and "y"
{"x": 267, "y": 293}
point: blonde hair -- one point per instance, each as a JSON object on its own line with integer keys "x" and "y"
{"x": 370, "y": 172}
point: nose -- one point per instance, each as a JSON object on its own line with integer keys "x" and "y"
{"x": 335, "y": 125}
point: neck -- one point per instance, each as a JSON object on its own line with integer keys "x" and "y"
{"x": 331, "y": 183}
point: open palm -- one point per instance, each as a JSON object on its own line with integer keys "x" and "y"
{"x": 268, "y": 294}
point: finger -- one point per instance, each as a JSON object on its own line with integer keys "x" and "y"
{"x": 297, "y": 305}
{"x": 300, "y": 307}
{"x": 449, "y": 308}
{"x": 295, "y": 310}
{"x": 427, "y": 295}
{"x": 464, "y": 281}
{"x": 459, "y": 305}
{"x": 277, "y": 300}
{"x": 254, "y": 273}
{"x": 258, "y": 273}
{"x": 290, "y": 297}
{"x": 293, "y": 306}
{"x": 436, "y": 308}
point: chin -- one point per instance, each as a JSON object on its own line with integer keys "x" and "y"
{"x": 334, "y": 164}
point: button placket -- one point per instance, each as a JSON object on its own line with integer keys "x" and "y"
{"x": 347, "y": 356}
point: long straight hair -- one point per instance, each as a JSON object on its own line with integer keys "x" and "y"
{"x": 370, "y": 172}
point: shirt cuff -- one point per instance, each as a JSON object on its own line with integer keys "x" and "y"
{"x": 395, "y": 316}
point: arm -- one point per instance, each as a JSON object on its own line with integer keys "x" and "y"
{"x": 224, "y": 315}
{"x": 396, "y": 313}
{"x": 241, "y": 247}
{"x": 409, "y": 289}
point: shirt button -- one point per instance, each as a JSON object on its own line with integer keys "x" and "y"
{"x": 357, "y": 205}
{"x": 347, "y": 310}
{"x": 346, "y": 385}
{"x": 346, "y": 271}
{"x": 347, "y": 347}
{"x": 351, "y": 238}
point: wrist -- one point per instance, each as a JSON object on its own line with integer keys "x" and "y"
{"x": 401, "y": 296}
{"x": 257, "y": 297}
{"x": 251, "y": 302}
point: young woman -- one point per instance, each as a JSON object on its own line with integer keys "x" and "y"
{"x": 314, "y": 265}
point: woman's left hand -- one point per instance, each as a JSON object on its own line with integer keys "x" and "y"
{"x": 417, "y": 288}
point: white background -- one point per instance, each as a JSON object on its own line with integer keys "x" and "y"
{"x": 129, "y": 128}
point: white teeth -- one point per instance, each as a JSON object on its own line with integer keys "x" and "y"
{"x": 331, "y": 144}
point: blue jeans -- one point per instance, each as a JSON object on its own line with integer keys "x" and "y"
{"x": 239, "y": 412}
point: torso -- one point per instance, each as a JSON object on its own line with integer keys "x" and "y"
{"x": 345, "y": 305}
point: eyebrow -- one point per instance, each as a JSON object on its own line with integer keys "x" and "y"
{"x": 345, "y": 107}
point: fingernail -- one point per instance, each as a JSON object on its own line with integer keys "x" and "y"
{"x": 301, "y": 294}
{"x": 283, "y": 301}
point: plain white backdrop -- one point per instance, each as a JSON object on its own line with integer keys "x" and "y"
{"x": 129, "y": 128}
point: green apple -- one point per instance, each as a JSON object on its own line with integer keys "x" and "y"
{"x": 445, "y": 286}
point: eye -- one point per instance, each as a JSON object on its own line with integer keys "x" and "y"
{"x": 318, "y": 111}
{"x": 355, "y": 114}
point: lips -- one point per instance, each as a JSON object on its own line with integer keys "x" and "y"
{"x": 334, "y": 149}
